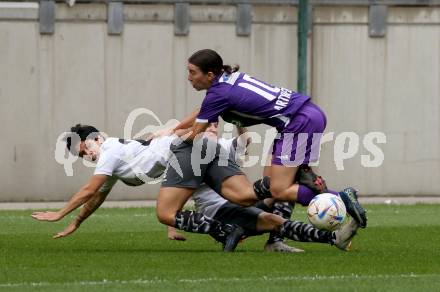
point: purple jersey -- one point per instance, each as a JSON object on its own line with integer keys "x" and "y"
{"x": 246, "y": 101}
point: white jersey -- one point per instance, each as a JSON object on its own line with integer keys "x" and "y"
{"x": 131, "y": 161}
{"x": 206, "y": 200}
{"x": 134, "y": 163}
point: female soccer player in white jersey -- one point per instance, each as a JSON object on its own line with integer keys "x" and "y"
{"x": 133, "y": 161}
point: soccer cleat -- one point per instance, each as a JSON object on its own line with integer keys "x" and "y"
{"x": 305, "y": 176}
{"x": 350, "y": 199}
{"x": 221, "y": 231}
{"x": 233, "y": 238}
{"x": 279, "y": 246}
{"x": 221, "y": 238}
{"x": 345, "y": 234}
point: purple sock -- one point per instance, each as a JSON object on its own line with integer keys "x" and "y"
{"x": 305, "y": 195}
{"x": 333, "y": 192}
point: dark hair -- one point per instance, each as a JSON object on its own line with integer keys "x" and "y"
{"x": 81, "y": 131}
{"x": 210, "y": 61}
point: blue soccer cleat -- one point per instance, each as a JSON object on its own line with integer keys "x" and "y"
{"x": 350, "y": 199}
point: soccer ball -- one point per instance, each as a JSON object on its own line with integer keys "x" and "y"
{"x": 326, "y": 211}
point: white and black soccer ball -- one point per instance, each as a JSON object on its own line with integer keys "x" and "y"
{"x": 326, "y": 211}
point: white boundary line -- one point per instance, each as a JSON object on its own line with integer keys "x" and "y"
{"x": 105, "y": 282}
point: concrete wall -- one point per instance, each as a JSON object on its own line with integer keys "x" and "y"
{"x": 388, "y": 84}
{"x": 81, "y": 74}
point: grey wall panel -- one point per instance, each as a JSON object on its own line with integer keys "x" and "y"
{"x": 389, "y": 85}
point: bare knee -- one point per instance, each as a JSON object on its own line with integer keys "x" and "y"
{"x": 166, "y": 217}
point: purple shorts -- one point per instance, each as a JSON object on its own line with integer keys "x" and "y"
{"x": 300, "y": 142}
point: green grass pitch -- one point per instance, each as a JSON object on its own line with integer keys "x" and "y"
{"x": 127, "y": 250}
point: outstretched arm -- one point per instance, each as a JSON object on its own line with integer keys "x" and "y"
{"x": 197, "y": 129}
{"x": 182, "y": 129}
{"x": 188, "y": 121}
{"x": 82, "y": 196}
{"x": 169, "y": 132}
{"x": 88, "y": 209}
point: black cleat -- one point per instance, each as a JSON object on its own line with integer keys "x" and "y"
{"x": 233, "y": 239}
{"x": 350, "y": 199}
{"x": 305, "y": 176}
{"x": 219, "y": 237}
{"x": 221, "y": 231}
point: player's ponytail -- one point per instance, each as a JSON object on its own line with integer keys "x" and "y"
{"x": 229, "y": 69}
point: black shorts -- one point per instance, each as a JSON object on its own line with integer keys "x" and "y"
{"x": 186, "y": 168}
{"x": 245, "y": 217}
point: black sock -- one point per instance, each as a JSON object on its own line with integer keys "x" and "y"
{"x": 300, "y": 231}
{"x": 191, "y": 221}
{"x": 262, "y": 188}
{"x": 283, "y": 209}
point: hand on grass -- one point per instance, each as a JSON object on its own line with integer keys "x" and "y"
{"x": 174, "y": 235}
{"x": 66, "y": 232}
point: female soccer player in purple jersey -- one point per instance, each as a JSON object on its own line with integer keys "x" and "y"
{"x": 246, "y": 101}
